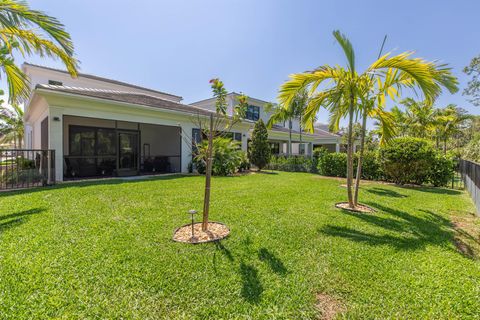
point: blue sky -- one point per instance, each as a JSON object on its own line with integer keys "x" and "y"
{"x": 177, "y": 46}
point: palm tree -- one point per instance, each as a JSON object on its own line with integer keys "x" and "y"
{"x": 447, "y": 123}
{"x": 400, "y": 120}
{"x": 288, "y": 113}
{"x": 420, "y": 117}
{"x": 30, "y": 32}
{"x": 11, "y": 125}
{"x": 344, "y": 92}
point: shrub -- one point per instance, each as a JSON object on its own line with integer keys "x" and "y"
{"x": 318, "y": 154}
{"x": 290, "y": 163}
{"x": 371, "y": 169}
{"x": 245, "y": 163}
{"x": 227, "y": 156}
{"x": 23, "y": 163}
{"x": 259, "y": 151}
{"x": 442, "y": 170}
{"x": 407, "y": 160}
{"x": 333, "y": 164}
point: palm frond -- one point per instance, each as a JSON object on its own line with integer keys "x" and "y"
{"x": 32, "y": 43}
{"x": 428, "y": 76}
{"x": 17, "y": 81}
{"x": 17, "y": 14}
{"x": 347, "y": 49}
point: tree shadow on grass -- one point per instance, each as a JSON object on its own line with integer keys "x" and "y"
{"x": 404, "y": 231}
{"x": 430, "y": 189}
{"x": 386, "y": 192}
{"x": 251, "y": 286}
{"x": 224, "y": 250}
{"x": 15, "y": 219}
{"x": 275, "y": 264}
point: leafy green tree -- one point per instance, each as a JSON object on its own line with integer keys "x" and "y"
{"x": 30, "y": 32}
{"x": 347, "y": 93}
{"x": 473, "y": 87}
{"x": 259, "y": 148}
{"x": 472, "y": 150}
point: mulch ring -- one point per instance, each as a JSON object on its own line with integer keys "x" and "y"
{"x": 215, "y": 231}
{"x": 362, "y": 208}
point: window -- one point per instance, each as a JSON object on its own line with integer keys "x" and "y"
{"x": 301, "y": 148}
{"x": 90, "y": 141}
{"x": 238, "y": 136}
{"x": 275, "y": 147}
{"x": 253, "y": 113}
{"x": 55, "y": 83}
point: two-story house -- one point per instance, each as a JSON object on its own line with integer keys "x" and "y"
{"x": 281, "y": 133}
{"x": 103, "y": 127}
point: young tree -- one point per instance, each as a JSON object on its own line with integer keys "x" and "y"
{"x": 259, "y": 147}
{"x": 30, "y": 32}
{"x": 219, "y": 123}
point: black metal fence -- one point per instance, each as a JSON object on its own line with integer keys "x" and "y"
{"x": 26, "y": 168}
{"x": 470, "y": 175}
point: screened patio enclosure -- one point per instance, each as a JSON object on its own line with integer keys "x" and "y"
{"x": 101, "y": 148}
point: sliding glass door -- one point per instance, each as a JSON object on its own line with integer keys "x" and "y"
{"x": 128, "y": 146}
{"x": 97, "y": 152}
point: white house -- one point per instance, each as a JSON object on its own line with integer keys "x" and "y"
{"x": 104, "y": 127}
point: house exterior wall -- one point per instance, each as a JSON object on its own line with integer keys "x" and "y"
{"x": 33, "y": 124}
{"x": 209, "y": 104}
{"x": 104, "y": 113}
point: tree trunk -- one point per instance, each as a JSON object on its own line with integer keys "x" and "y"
{"x": 360, "y": 159}
{"x": 289, "y": 149}
{"x": 208, "y": 177}
{"x": 445, "y": 146}
{"x": 300, "y": 130}
{"x": 350, "y": 155}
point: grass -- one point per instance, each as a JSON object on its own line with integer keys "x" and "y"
{"x": 104, "y": 250}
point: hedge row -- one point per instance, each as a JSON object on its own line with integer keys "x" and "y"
{"x": 404, "y": 161}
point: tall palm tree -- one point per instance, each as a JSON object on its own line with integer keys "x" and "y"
{"x": 288, "y": 113}
{"x": 11, "y": 125}
{"x": 30, "y": 32}
{"x": 346, "y": 93}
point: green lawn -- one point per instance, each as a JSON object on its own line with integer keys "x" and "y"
{"x": 104, "y": 250}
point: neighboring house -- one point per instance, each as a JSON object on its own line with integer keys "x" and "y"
{"x": 302, "y": 142}
{"x": 103, "y": 127}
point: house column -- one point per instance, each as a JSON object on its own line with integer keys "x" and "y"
{"x": 186, "y": 146}
{"x": 55, "y": 138}
{"x": 337, "y": 147}
{"x": 245, "y": 137}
